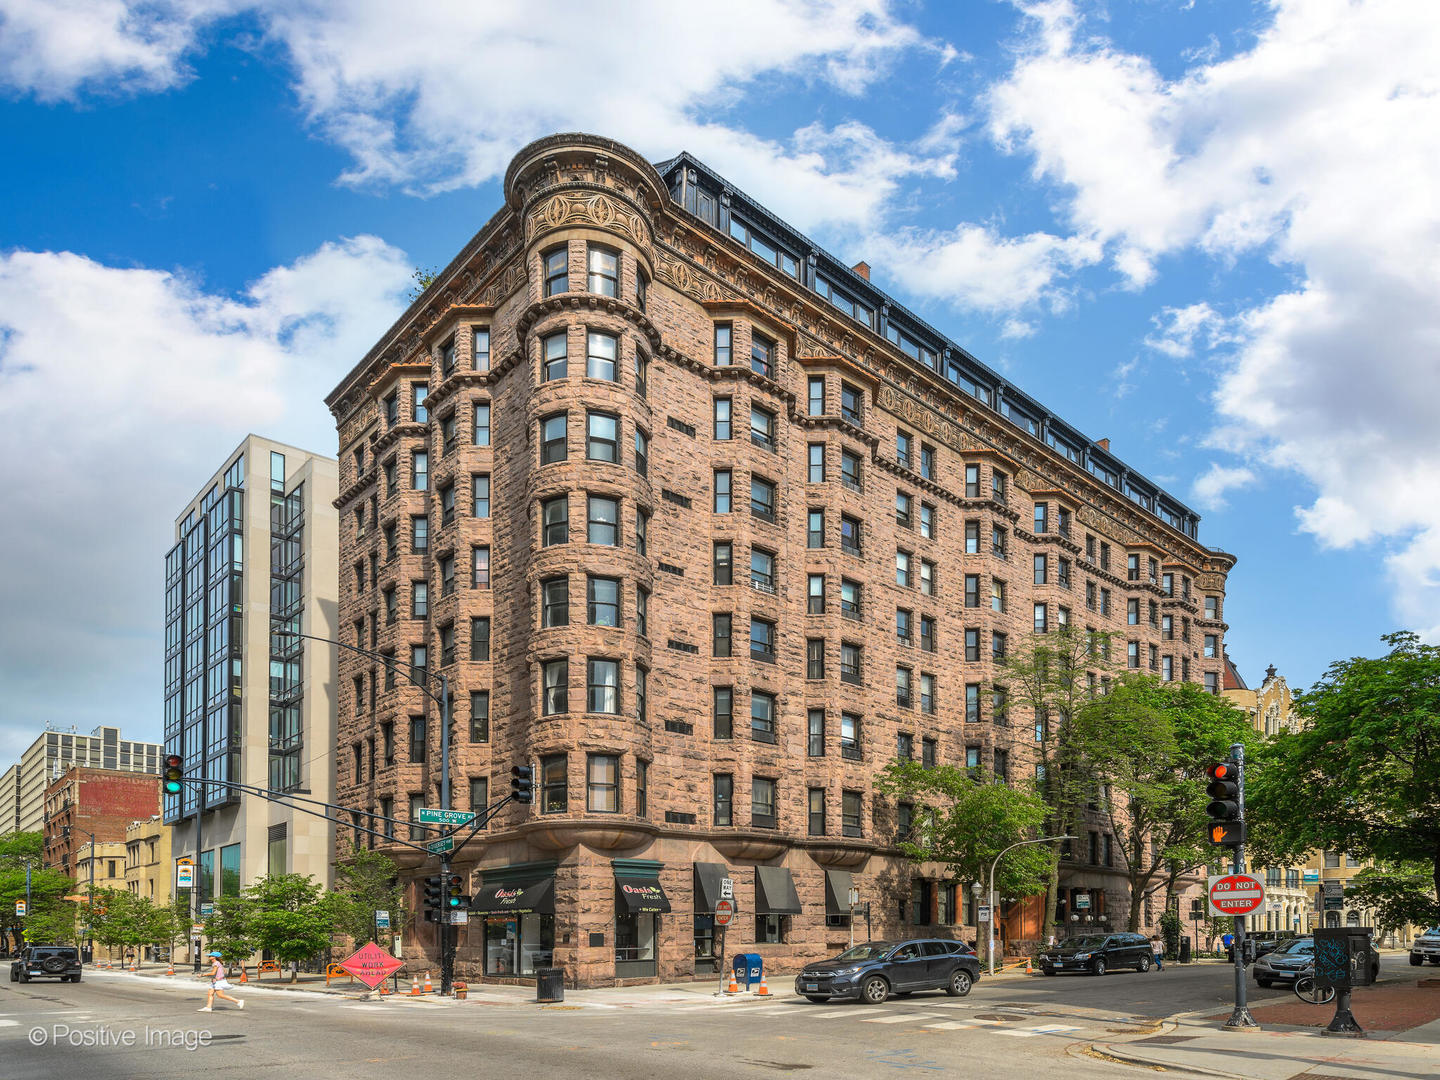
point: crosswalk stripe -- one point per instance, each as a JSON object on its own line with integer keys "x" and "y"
{"x": 9, "y": 1023}
{"x": 1018, "y": 1033}
{"x": 902, "y": 1018}
{"x": 831, "y": 1013}
{"x": 795, "y": 1009}
{"x": 1054, "y": 1029}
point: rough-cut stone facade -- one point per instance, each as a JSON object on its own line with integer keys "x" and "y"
{"x": 571, "y": 193}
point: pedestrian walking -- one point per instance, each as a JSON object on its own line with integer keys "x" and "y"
{"x": 1158, "y": 948}
{"x": 218, "y": 985}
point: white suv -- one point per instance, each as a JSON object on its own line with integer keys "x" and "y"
{"x": 1426, "y": 947}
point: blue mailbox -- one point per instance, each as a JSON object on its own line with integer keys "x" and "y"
{"x": 747, "y": 967}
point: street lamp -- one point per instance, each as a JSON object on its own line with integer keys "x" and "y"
{"x": 990, "y": 893}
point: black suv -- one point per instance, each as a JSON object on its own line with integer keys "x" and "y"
{"x": 873, "y": 971}
{"x": 1096, "y": 954}
{"x": 46, "y": 962}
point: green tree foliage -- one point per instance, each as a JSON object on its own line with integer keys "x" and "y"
{"x": 423, "y": 277}
{"x": 365, "y": 882}
{"x": 1046, "y": 682}
{"x": 965, "y": 823}
{"x": 123, "y": 919}
{"x": 1145, "y": 746}
{"x": 1396, "y": 895}
{"x": 51, "y": 918}
{"x": 228, "y": 929}
{"x": 291, "y": 916}
{"x": 1362, "y": 775}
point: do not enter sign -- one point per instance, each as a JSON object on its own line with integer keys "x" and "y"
{"x": 724, "y": 912}
{"x": 1236, "y": 894}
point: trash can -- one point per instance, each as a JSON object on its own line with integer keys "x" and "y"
{"x": 747, "y": 967}
{"x": 1184, "y": 950}
{"x": 550, "y": 984}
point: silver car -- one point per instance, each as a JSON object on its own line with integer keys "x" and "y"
{"x": 1426, "y": 947}
{"x": 1292, "y": 959}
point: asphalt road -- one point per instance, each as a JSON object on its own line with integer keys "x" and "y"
{"x": 113, "y": 1027}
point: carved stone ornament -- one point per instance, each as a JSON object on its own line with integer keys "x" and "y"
{"x": 911, "y": 411}
{"x": 587, "y": 208}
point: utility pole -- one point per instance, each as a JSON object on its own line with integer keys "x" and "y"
{"x": 1240, "y": 1019}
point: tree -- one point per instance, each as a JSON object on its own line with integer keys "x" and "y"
{"x": 1390, "y": 892}
{"x": 49, "y": 914}
{"x": 965, "y": 822}
{"x": 1047, "y": 682}
{"x": 291, "y": 916}
{"x": 1362, "y": 775}
{"x": 228, "y": 929}
{"x": 423, "y": 277}
{"x": 1145, "y": 746}
{"x": 365, "y": 882}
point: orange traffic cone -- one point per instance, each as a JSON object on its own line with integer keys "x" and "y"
{"x": 764, "y": 990}
{"x": 384, "y": 989}
{"x": 414, "y": 986}
{"x": 734, "y": 987}
{"x": 1028, "y": 969}
{"x": 429, "y": 986}
{"x": 243, "y": 977}
{"x": 171, "y": 969}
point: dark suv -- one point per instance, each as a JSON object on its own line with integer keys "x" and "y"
{"x": 46, "y": 962}
{"x": 1096, "y": 954}
{"x": 873, "y": 971}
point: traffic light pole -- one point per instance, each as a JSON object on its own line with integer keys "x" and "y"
{"x": 1240, "y": 1019}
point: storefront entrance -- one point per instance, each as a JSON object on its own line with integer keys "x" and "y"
{"x": 639, "y": 902}
{"x": 517, "y": 906}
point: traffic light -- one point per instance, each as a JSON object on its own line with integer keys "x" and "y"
{"x": 434, "y": 905}
{"x": 1227, "y": 827}
{"x": 174, "y": 771}
{"x": 455, "y": 900}
{"x": 522, "y": 783}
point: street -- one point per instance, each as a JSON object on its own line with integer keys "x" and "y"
{"x": 116, "y": 1025}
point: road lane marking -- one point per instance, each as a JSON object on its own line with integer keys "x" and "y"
{"x": 902, "y": 1018}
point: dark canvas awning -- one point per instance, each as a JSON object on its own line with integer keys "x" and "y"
{"x": 637, "y": 885}
{"x": 513, "y": 897}
{"x": 775, "y": 891}
{"x": 837, "y": 892}
{"x": 708, "y": 876}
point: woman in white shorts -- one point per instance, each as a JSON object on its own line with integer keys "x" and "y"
{"x": 218, "y": 985}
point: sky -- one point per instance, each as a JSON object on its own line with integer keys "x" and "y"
{"x": 1208, "y": 231}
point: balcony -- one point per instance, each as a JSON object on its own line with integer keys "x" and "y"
{"x": 849, "y": 548}
{"x": 851, "y": 482}
{"x": 763, "y": 584}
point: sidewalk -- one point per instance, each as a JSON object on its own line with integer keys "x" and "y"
{"x": 1279, "y": 1051}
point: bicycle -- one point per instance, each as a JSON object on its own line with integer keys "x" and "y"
{"x": 1308, "y": 991}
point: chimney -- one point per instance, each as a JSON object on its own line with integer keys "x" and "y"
{"x": 1103, "y": 444}
{"x": 863, "y": 269}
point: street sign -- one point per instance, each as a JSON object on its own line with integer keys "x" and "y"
{"x": 371, "y": 964}
{"x": 983, "y": 915}
{"x": 457, "y": 918}
{"x": 19, "y": 907}
{"x": 1082, "y": 902}
{"x": 724, "y": 912}
{"x": 198, "y": 928}
{"x": 727, "y": 888}
{"x": 854, "y": 897}
{"x": 184, "y": 876}
{"x": 1334, "y": 895}
{"x": 382, "y": 920}
{"x": 1235, "y": 894}
{"x": 445, "y": 817}
{"x": 440, "y": 847}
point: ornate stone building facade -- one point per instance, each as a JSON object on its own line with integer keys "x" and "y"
{"x": 709, "y": 528}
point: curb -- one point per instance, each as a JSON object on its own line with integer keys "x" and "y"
{"x": 1115, "y": 1051}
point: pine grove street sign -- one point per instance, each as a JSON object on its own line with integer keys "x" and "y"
{"x": 440, "y": 847}
{"x": 1235, "y": 894}
{"x": 445, "y": 817}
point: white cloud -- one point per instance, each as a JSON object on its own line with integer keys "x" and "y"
{"x": 1316, "y": 149}
{"x": 1177, "y": 330}
{"x": 1211, "y": 487}
{"x": 120, "y": 392}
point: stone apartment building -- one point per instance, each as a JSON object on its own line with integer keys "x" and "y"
{"x": 709, "y": 528}
{"x": 102, "y": 802}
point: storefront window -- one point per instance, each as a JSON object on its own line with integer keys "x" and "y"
{"x": 518, "y": 944}
{"x": 635, "y": 935}
{"x": 770, "y": 929}
{"x": 705, "y": 941}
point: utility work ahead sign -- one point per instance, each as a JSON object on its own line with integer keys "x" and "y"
{"x": 1236, "y": 894}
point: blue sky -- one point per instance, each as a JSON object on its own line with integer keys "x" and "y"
{"x": 1207, "y": 231}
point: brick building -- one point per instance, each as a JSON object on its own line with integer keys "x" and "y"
{"x": 710, "y": 528}
{"x": 99, "y": 801}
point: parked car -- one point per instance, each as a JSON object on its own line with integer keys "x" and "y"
{"x": 1267, "y": 945}
{"x": 1426, "y": 947}
{"x": 46, "y": 962}
{"x": 876, "y": 970}
{"x": 1294, "y": 958}
{"x": 1096, "y": 954}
